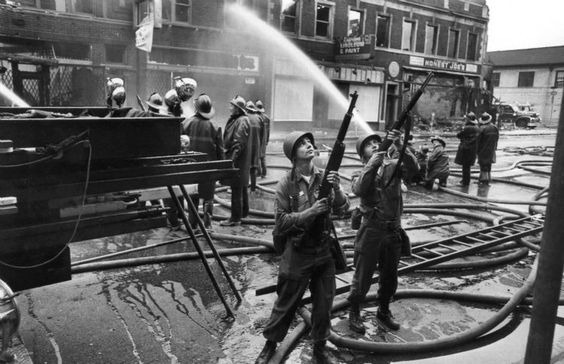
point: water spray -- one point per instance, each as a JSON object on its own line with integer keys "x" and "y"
{"x": 10, "y": 95}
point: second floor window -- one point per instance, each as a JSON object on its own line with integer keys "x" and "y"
{"x": 472, "y": 47}
{"x": 408, "y": 36}
{"x": 356, "y": 20}
{"x": 323, "y": 20}
{"x": 383, "y": 31}
{"x": 526, "y": 79}
{"x": 431, "y": 39}
{"x": 559, "y": 79}
{"x": 177, "y": 11}
{"x": 289, "y": 15}
{"x": 82, "y": 6}
{"x": 495, "y": 79}
{"x": 453, "y": 41}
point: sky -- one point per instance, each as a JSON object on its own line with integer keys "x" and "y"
{"x": 519, "y": 24}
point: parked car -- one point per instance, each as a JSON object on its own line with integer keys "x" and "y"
{"x": 518, "y": 115}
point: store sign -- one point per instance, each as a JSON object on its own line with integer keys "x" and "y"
{"x": 355, "y": 45}
{"x": 443, "y": 64}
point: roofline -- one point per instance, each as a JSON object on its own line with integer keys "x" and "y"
{"x": 525, "y": 49}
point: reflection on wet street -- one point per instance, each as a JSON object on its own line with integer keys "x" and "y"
{"x": 170, "y": 313}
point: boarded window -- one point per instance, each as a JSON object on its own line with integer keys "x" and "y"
{"x": 453, "y": 41}
{"x": 408, "y": 36}
{"x": 431, "y": 39}
{"x": 526, "y": 79}
{"x": 293, "y": 99}
{"x": 383, "y": 31}
{"x": 472, "y": 47}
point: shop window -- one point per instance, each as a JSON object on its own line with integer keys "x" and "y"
{"x": 526, "y": 79}
{"x": 408, "y": 36}
{"x": 356, "y": 23}
{"x": 559, "y": 79}
{"x": 472, "y": 47}
{"x": 323, "y": 20}
{"x": 177, "y": 11}
{"x": 289, "y": 16}
{"x": 383, "y": 31}
{"x": 495, "y": 79}
{"x": 115, "y": 53}
{"x": 453, "y": 41}
{"x": 431, "y": 39}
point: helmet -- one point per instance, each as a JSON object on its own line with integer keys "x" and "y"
{"x": 363, "y": 140}
{"x": 239, "y": 102}
{"x": 291, "y": 140}
{"x": 171, "y": 98}
{"x": 440, "y": 140}
{"x": 250, "y": 106}
{"x": 203, "y": 106}
{"x": 260, "y": 106}
{"x": 118, "y": 95}
{"x": 185, "y": 87}
{"x": 485, "y": 118}
{"x": 155, "y": 101}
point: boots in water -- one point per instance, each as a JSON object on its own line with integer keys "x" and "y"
{"x": 267, "y": 352}
{"x": 320, "y": 354}
{"x": 385, "y": 317}
{"x": 208, "y": 213}
{"x": 355, "y": 321}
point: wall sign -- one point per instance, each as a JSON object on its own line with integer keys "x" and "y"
{"x": 355, "y": 45}
{"x": 443, "y": 64}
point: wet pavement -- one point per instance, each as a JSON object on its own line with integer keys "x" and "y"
{"x": 170, "y": 313}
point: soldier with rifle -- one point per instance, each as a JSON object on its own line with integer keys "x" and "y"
{"x": 380, "y": 240}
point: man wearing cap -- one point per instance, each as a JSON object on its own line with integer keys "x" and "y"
{"x": 155, "y": 103}
{"x": 265, "y": 136}
{"x": 254, "y": 142}
{"x": 306, "y": 261}
{"x": 466, "y": 153}
{"x": 205, "y": 137}
{"x": 487, "y": 145}
{"x": 437, "y": 165}
{"x": 380, "y": 240}
{"x": 236, "y": 141}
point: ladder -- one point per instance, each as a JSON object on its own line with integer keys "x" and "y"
{"x": 426, "y": 255}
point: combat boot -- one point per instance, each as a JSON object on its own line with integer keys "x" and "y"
{"x": 208, "y": 213}
{"x": 355, "y": 321}
{"x": 267, "y": 352}
{"x": 386, "y": 318}
{"x": 320, "y": 354}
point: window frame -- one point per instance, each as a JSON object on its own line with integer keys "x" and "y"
{"x": 523, "y": 78}
{"x": 435, "y": 41}
{"x": 297, "y": 18}
{"x": 413, "y": 35}
{"x": 452, "y": 31}
{"x": 496, "y": 78}
{"x": 559, "y": 84}
{"x": 72, "y": 7}
{"x": 388, "y": 30}
{"x": 362, "y": 22}
{"x": 475, "y": 55}
{"x": 173, "y": 19}
{"x": 330, "y": 21}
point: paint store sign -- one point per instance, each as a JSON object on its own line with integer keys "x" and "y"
{"x": 354, "y": 45}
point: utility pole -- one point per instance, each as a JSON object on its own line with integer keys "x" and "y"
{"x": 551, "y": 261}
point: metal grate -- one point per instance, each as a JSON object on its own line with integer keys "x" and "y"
{"x": 159, "y": 81}
{"x": 76, "y": 86}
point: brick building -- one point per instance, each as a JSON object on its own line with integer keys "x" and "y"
{"x": 532, "y": 77}
{"x": 59, "y": 52}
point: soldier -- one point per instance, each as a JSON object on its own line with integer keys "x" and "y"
{"x": 380, "y": 240}
{"x": 487, "y": 144}
{"x": 205, "y": 137}
{"x": 265, "y": 136}
{"x": 236, "y": 141}
{"x": 306, "y": 260}
{"x": 466, "y": 153}
{"x": 254, "y": 142}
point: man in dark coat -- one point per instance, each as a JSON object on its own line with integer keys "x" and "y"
{"x": 307, "y": 261}
{"x": 437, "y": 165}
{"x": 466, "y": 153}
{"x": 487, "y": 144}
{"x": 205, "y": 137}
{"x": 254, "y": 142}
{"x": 265, "y": 136}
{"x": 236, "y": 141}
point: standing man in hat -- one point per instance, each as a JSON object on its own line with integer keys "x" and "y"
{"x": 380, "y": 240}
{"x": 254, "y": 142}
{"x": 265, "y": 136}
{"x": 306, "y": 261}
{"x": 205, "y": 137}
{"x": 487, "y": 144}
{"x": 466, "y": 153}
{"x": 155, "y": 103}
{"x": 236, "y": 140}
{"x": 437, "y": 165}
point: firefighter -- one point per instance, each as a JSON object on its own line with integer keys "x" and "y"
{"x": 380, "y": 240}
{"x": 236, "y": 141}
{"x": 437, "y": 164}
{"x": 265, "y": 136}
{"x": 205, "y": 137}
{"x": 155, "y": 103}
{"x": 306, "y": 260}
{"x": 466, "y": 153}
{"x": 487, "y": 144}
{"x": 254, "y": 142}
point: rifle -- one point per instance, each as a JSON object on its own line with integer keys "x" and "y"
{"x": 141, "y": 104}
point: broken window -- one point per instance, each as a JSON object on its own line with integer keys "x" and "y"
{"x": 383, "y": 31}
{"x": 323, "y": 20}
{"x": 356, "y": 23}
{"x": 289, "y": 15}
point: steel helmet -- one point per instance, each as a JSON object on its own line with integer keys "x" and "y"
{"x": 363, "y": 140}
{"x": 290, "y": 142}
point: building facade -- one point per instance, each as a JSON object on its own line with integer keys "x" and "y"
{"x": 60, "y": 52}
{"x": 532, "y": 77}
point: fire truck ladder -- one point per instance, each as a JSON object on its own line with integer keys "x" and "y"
{"x": 454, "y": 247}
